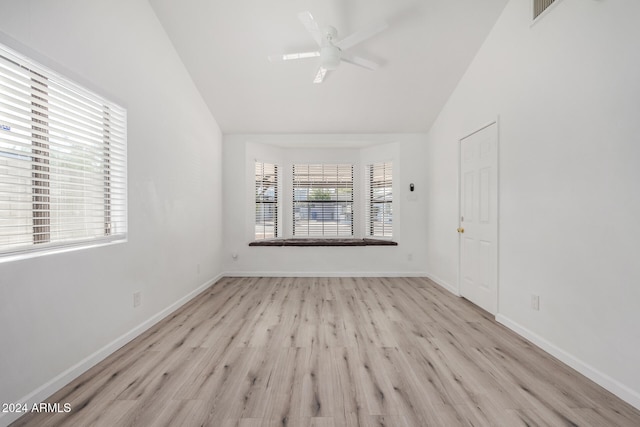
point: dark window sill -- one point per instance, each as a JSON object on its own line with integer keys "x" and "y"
{"x": 323, "y": 242}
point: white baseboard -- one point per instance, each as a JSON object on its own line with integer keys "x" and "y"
{"x": 442, "y": 283}
{"x": 55, "y": 384}
{"x": 625, "y": 393}
{"x": 325, "y": 274}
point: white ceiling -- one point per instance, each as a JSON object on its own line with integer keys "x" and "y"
{"x": 424, "y": 53}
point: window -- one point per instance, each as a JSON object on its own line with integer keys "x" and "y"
{"x": 323, "y": 200}
{"x": 62, "y": 160}
{"x": 380, "y": 200}
{"x": 266, "y": 201}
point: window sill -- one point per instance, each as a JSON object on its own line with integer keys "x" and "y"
{"x": 38, "y": 252}
{"x": 323, "y": 242}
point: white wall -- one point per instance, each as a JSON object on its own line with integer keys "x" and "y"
{"x": 567, "y": 91}
{"x": 407, "y": 152}
{"x": 58, "y": 310}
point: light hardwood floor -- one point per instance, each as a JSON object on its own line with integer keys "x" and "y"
{"x": 330, "y": 352}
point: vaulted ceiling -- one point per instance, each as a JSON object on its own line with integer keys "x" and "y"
{"x": 423, "y": 54}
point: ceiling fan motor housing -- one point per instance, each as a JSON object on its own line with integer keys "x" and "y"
{"x": 329, "y": 57}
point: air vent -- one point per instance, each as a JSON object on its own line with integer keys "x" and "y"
{"x": 540, "y": 6}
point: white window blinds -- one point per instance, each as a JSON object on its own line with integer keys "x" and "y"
{"x": 380, "y": 200}
{"x": 62, "y": 160}
{"x": 266, "y": 226}
{"x": 323, "y": 200}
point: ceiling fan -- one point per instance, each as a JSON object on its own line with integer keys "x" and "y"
{"x": 332, "y": 51}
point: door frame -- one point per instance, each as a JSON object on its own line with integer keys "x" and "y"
{"x": 497, "y": 266}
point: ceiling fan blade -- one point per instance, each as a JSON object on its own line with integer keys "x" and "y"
{"x": 293, "y": 56}
{"x": 361, "y": 62}
{"x": 320, "y": 75}
{"x": 362, "y": 35}
{"x": 311, "y": 25}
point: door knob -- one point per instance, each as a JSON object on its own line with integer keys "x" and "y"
{"x": 460, "y": 230}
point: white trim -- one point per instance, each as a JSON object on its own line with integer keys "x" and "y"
{"x": 459, "y": 213}
{"x": 35, "y": 253}
{"x": 366, "y": 199}
{"x": 624, "y": 392}
{"x": 498, "y": 198}
{"x": 81, "y": 123}
{"x": 325, "y": 274}
{"x": 47, "y": 389}
{"x": 438, "y": 281}
{"x": 278, "y": 190}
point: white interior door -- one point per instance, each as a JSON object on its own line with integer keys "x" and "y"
{"x": 478, "y": 229}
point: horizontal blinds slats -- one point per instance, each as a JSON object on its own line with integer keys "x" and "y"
{"x": 90, "y": 162}
{"x": 63, "y": 225}
{"x": 266, "y": 198}
{"x": 18, "y": 186}
{"x": 45, "y": 105}
{"x": 61, "y": 198}
{"x": 58, "y": 177}
{"x": 57, "y": 168}
{"x": 55, "y": 124}
{"x": 62, "y": 159}
{"x": 82, "y": 212}
{"x": 19, "y": 152}
{"x": 380, "y": 200}
{"x": 55, "y": 204}
{"x": 55, "y": 157}
{"x": 323, "y": 200}
{"x": 22, "y": 130}
{"x": 6, "y": 190}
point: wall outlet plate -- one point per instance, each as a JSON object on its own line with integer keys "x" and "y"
{"x": 535, "y": 302}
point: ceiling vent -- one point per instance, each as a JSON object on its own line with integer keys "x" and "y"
{"x": 540, "y": 6}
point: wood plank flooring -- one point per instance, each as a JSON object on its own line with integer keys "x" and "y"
{"x": 331, "y": 352}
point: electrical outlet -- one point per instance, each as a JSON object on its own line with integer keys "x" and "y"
{"x": 409, "y": 257}
{"x": 535, "y": 302}
{"x": 137, "y": 299}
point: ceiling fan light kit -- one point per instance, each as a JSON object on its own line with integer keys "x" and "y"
{"x": 329, "y": 57}
{"x": 331, "y": 52}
